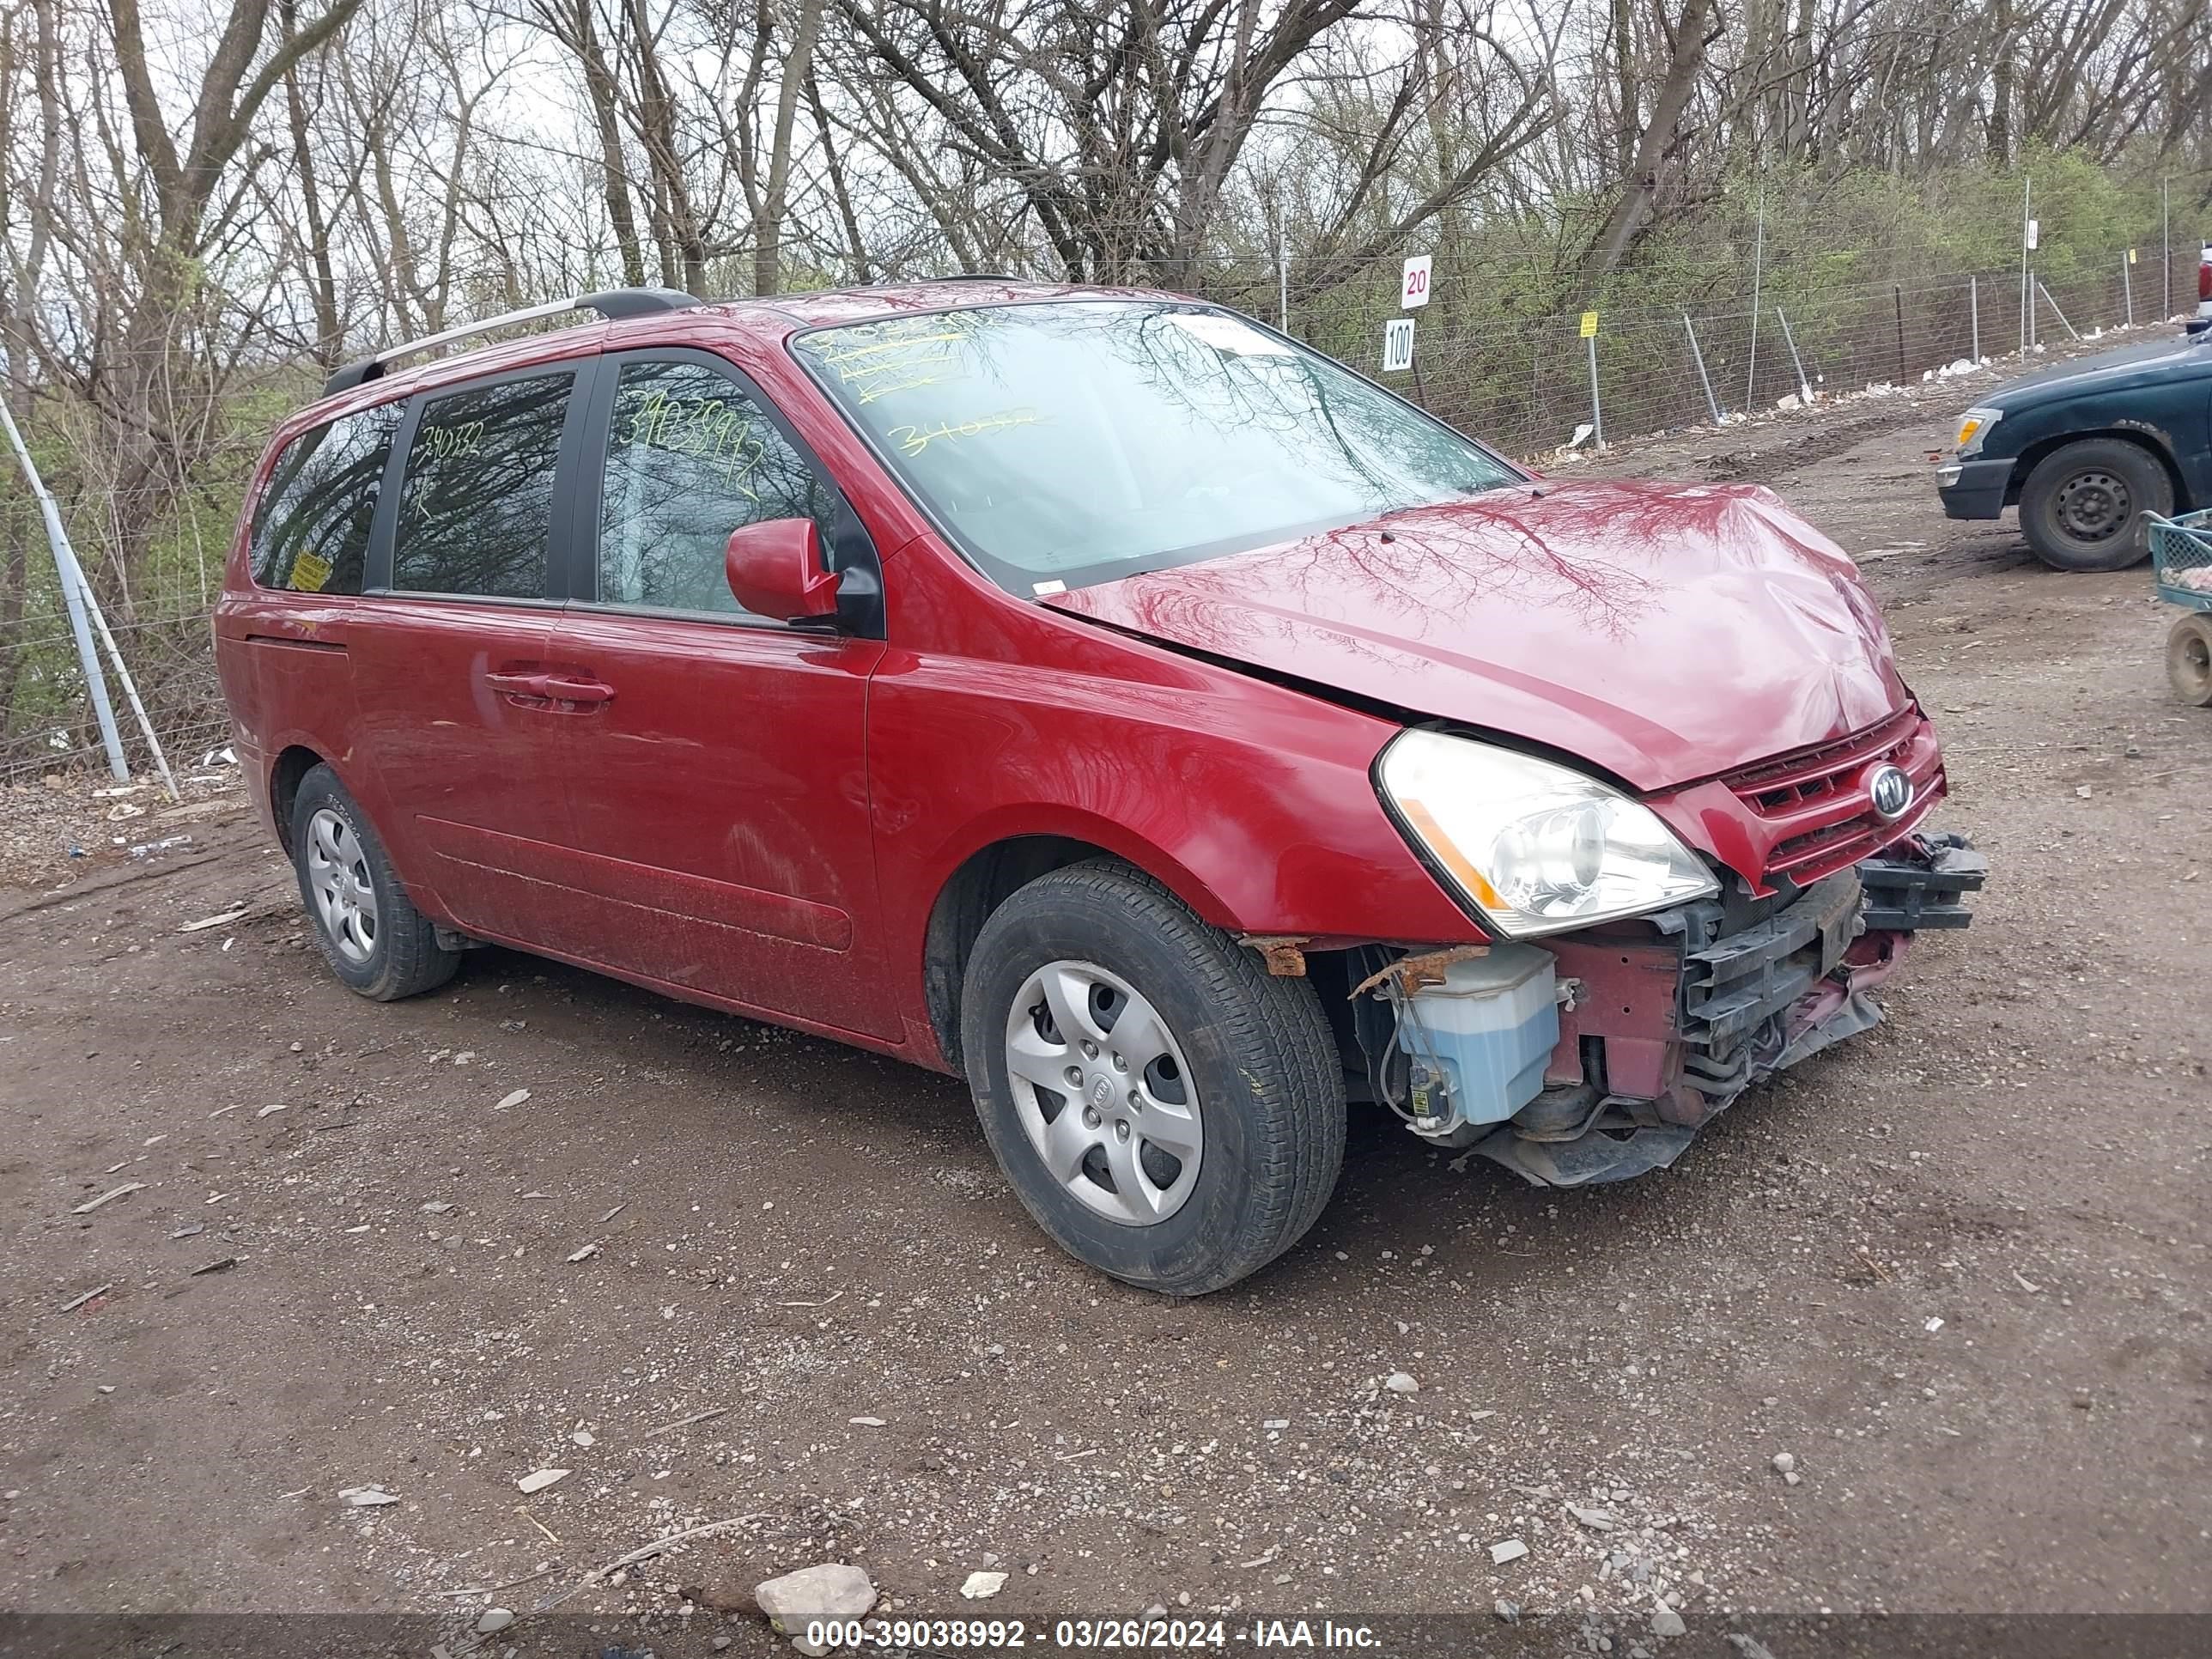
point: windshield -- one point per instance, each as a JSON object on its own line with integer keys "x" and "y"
{"x": 1067, "y": 443}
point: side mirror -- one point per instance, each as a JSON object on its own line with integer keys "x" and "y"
{"x": 775, "y": 569}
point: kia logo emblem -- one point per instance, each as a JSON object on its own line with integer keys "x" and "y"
{"x": 1101, "y": 1090}
{"x": 1889, "y": 791}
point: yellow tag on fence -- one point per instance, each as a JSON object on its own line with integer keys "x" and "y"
{"x": 1589, "y": 325}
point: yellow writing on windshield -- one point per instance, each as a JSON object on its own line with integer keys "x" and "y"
{"x": 913, "y": 440}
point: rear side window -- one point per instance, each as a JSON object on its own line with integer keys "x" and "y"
{"x": 476, "y": 510}
{"x": 689, "y": 458}
{"x": 311, "y": 528}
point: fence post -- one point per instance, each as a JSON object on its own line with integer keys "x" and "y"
{"x": 1804, "y": 386}
{"x": 1974, "y": 315}
{"x": 1704, "y": 379}
{"x": 71, "y": 577}
{"x": 1758, "y": 271}
{"x": 1597, "y": 410}
{"x": 1898, "y": 291}
{"x": 2165, "y": 240}
{"x": 2053, "y": 304}
{"x": 2128, "y": 289}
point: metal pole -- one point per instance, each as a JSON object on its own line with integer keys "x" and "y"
{"x": 2166, "y": 234}
{"x": 73, "y": 592}
{"x": 2128, "y": 289}
{"x": 130, "y": 686}
{"x": 1974, "y": 314}
{"x": 1900, "y": 292}
{"x": 1282, "y": 276}
{"x": 1758, "y": 270}
{"x": 2027, "y": 195}
{"x": 1597, "y": 410}
{"x": 1804, "y": 386}
{"x": 2053, "y": 304}
{"x": 1704, "y": 379}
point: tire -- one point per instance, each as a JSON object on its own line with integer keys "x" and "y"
{"x": 372, "y": 937}
{"x": 2083, "y": 506}
{"x": 1244, "y": 1083}
{"x": 2189, "y": 660}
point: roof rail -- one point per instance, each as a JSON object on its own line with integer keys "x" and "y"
{"x": 614, "y": 305}
{"x": 976, "y": 276}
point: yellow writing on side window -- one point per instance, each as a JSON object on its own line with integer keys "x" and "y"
{"x": 710, "y": 429}
{"x": 913, "y": 439}
{"x": 462, "y": 438}
{"x": 310, "y": 571}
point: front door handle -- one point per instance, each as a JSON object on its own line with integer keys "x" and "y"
{"x": 562, "y": 688}
{"x": 519, "y": 685}
{"x": 542, "y": 687}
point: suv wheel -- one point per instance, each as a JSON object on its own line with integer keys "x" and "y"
{"x": 2083, "y": 506}
{"x": 373, "y": 938}
{"x": 1169, "y": 1112}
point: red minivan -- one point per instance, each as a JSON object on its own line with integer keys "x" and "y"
{"x": 1098, "y": 694}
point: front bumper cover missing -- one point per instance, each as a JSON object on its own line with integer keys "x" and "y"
{"x": 1760, "y": 999}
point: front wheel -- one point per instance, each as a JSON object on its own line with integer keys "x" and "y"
{"x": 2083, "y": 506}
{"x": 1166, "y": 1110}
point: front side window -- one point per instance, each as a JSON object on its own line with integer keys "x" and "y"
{"x": 1074, "y": 441}
{"x": 476, "y": 509}
{"x": 311, "y": 527}
{"x": 689, "y": 458}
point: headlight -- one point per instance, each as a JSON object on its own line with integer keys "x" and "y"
{"x": 1974, "y": 426}
{"x": 1536, "y": 848}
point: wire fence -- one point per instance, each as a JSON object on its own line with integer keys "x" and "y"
{"x": 1527, "y": 385}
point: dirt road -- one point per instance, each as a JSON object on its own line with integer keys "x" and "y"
{"x": 1956, "y": 1269}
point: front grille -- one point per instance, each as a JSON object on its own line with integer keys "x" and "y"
{"x": 1819, "y": 816}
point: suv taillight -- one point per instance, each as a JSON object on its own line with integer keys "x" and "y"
{"x": 2204, "y": 281}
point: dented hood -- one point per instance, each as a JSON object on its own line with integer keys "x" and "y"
{"x": 1664, "y": 633}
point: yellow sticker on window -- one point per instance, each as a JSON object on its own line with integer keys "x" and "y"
{"x": 309, "y": 572}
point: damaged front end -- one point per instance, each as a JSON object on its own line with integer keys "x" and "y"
{"x": 1597, "y": 1056}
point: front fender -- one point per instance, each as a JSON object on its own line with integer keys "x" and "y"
{"x": 1251, "y": 802}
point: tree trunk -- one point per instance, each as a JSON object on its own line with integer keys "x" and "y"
{"x": 1631, "y": 212}
{"x": 797, "y": 70}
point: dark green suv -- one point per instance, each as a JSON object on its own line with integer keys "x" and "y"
{"x": 2085, "y": 448}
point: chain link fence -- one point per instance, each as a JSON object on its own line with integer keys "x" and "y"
{"x": 1523, "y": 384}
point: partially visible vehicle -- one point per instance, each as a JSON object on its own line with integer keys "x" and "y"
{"x": 2181, "y": 554}
{"x": 2086, "y": 448}
{"x": 2204, "y": 288}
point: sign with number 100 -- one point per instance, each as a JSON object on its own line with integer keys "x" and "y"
{"x": 1413, "y": 288}
{"x": 1397, "y": 344}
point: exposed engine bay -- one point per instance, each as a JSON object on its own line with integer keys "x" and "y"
{"x": 1597, "y": 1056}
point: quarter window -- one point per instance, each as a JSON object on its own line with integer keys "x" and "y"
{"x": 689, "y": 458}
{"x": 311, "y": 528}
{"x": 476, "y": 511}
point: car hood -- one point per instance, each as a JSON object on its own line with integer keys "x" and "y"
{"x": 2108, "y": 371}
{"x": 1664, "y": 633}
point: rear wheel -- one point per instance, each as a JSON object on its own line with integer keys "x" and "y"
{"x": 2083, "y": 506}
{"x": 373, "y": 938}
{"x": 2188, "y": 659}
{"x": 1166, "y": 1110}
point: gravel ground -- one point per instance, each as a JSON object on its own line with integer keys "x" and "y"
{"x": 1954, "y": 1270}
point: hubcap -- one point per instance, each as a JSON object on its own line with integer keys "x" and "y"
{"x": 338, "y": 875}
{"x": 2094, "y": 506}
{"x": 1104, "y": 1093}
